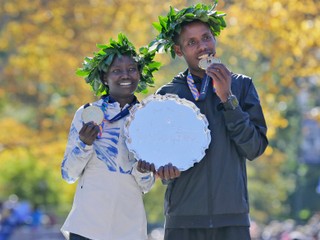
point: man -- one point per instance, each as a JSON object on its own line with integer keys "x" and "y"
{"x": 210, "y": 200}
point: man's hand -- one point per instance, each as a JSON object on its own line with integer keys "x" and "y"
{"x": 221, "y": 77}
{"x": 89, "y": 132}
{"x": 168, "y": 172}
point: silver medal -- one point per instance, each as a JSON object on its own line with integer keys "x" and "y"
{"x": 92, "y": 114}
{"x": 206, "y": 61}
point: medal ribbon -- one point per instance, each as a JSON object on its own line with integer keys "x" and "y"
{"x": 199, "y": 96}
{"x": 121, "y": 114}
{"x": 117, "y": 117}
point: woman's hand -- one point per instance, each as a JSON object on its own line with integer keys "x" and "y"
{"x": 145, "y": 167}
{"x": 89, "y": 132}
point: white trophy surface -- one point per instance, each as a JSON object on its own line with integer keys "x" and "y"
{"x": 167, "y": 129}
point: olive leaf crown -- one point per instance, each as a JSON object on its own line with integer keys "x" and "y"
{"x": 170, "y": 26}
{"x": 93, "y": 67}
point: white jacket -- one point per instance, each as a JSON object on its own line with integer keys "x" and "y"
{"x": 108, "y": 201}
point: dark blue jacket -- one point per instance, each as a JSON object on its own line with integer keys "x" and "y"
{"x": 213, "y": 193}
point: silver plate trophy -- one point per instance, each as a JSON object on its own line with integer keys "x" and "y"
{"x": 92, "y": 114}
{"x": 167, "y": 129}
{"x": 206, "y": 61}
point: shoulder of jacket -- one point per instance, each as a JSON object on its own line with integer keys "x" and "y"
{"x": 240, "y": 80}
{"x": 178, "y": 79}
{"x": 240, "y": 84}
{"x": 240, "y": 77}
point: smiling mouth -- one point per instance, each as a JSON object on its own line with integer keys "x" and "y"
{"x": 125, "y": 84}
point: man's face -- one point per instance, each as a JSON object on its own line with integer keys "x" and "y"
{"x": 195, "y": 40}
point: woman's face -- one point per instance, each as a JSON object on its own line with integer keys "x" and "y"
{"x": 122, "y": 77}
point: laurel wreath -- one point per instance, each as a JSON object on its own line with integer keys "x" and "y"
{"x": 170, "y": 25}
{"x": 92, "y": 67}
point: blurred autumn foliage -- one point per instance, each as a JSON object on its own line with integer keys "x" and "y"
{"x": 42, "y": 43}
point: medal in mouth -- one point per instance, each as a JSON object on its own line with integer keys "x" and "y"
{"x": 206, "y": 60}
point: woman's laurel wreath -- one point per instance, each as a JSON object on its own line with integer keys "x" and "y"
{"x": 93, "y": 67}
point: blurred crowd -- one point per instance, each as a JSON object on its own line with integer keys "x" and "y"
{"x": 288, "y": 230}
{"x": 275, "y": 230}
{"x": 15, "y": 214}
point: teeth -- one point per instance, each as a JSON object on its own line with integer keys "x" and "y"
{"x": 125, "y": 84}
{"x": 205, "y": 55}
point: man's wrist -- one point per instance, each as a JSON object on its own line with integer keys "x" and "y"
{"x": 231, "y": 103}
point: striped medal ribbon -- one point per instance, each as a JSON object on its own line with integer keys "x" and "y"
{"x": 199, "y": 96}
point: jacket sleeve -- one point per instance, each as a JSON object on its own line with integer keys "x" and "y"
{"x": 145, "y": 180}
{"x": 246, "y": 124}
{"x": 77, "y": 153}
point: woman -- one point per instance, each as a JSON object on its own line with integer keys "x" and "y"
{"x": 108, "y": 201}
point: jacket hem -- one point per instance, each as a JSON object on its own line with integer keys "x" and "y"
{"x": 208, "y": 221}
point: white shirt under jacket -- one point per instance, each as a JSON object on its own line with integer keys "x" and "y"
{"x": 108, "y": 201}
